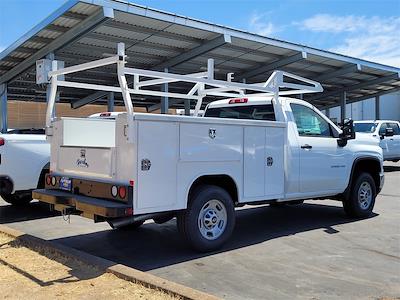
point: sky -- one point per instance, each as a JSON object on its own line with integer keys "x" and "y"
{"x": 368, "y": 29}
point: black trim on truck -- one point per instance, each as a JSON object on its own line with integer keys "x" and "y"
{"x": 6, "y": 185}
{"x": 378, "y": 181}
{"x": 82, "y": 205}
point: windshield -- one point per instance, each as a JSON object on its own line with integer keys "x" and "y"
{"x": 365, "y": 127}
{"x": 252, "y": 112}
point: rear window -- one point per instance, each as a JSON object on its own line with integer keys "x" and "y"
{"x": 252, "y": 112}
{"x": 365, "y": 127}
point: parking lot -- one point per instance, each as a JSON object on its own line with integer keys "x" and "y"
{"x": 309, "y": 251}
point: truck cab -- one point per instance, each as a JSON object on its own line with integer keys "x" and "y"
{"x": 315, "y": 163}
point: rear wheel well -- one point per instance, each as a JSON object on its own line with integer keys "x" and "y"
{"x": 42, "y": 177}
{"x": 224, "y": 181}
{"x": 368, "y": 165}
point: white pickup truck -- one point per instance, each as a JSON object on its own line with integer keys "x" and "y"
{"x": 387, "y": 132}
{"x": 24, "y": 162}
{"x": 253, "y": 148}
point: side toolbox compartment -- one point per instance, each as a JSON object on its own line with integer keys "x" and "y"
{"x": 158, "y": 144}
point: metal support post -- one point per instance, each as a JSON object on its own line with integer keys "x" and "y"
{"x": 187, "y": 107}
{"x": 377, "y": 107}
{"x": 164, "y": 99}
{"x": 328, "y": 112}
{"x": 110, "y": 102}
{"x": 3, "y": 108}
{"x": 51, "y": 57}
{"x": 343, "y": 97}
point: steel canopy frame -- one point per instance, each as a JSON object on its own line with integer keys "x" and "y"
{"x": 203, "y": 84}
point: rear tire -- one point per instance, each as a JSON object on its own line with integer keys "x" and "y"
{"x": 18, "y": 199}
{"x": 361, "y": 200}
{"x": 209, "y": 219}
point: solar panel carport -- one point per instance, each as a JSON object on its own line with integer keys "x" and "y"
{"x": 85, "y": 30}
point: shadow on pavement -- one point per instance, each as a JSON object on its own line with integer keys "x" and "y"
{"x": 391, "y": 169}
{"x": 154, "y": 246}
{"x": 33, "y": 211}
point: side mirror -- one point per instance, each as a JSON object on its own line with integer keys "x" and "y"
{"x": 348, "y": 132}
{"x": 388, "y": 132}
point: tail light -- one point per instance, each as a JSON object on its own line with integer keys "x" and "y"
{"x": 53, "y": 181}
{"x": 122, "y": 192}
{"x": 238, "y": 100}
{"x": 2, "y": 141}
{"x": 48, "y": 180}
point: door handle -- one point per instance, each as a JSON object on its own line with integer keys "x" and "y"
{"x": 306, "y": 146}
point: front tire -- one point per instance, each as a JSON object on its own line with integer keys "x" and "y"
{"x": 361, "y": 200}
{"x": 209, "y": 219}
{"x": 18, "y": 199}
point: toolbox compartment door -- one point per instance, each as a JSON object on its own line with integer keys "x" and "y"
{"x": 86, "y": 161}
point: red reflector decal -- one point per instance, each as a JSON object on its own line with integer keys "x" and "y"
{"x": 238, "y": 100}
{"x": 48, "y": 179}
{"x": 105, "y": 114}
{"x": 128, "y": 211}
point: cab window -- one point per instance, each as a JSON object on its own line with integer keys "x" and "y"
{"x": 383, "y": 128}
{"x": 396, "y": 129}
{"x": 310, "y": 123}
{"x": 252, "y": 112}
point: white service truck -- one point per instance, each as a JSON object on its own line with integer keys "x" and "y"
{"x": 24, "y": 162}
{"x": 255, "y": 147}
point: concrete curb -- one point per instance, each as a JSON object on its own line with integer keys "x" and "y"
{"x": 121, "y": 271}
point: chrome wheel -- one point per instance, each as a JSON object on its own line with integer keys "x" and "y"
{"x": 212, "y": 219}
{"x": 365, "y": 195}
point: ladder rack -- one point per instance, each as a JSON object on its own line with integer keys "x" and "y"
{"x": 204, "y": 83}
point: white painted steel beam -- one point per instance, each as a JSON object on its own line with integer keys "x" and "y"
{"x": 273, "y": 66}
{"x": 195, "y": 52}
{"x": 339, "y": 72}
{"x": 361, "y": 85}
{"x": 89, "y": 99}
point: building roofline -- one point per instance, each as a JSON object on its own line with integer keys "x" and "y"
{"x": 126, "y": 6}
{"x": 145, "y": 11}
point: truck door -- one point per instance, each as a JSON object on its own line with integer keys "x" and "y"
{"x": 323, "y": 164}
{"x": 394, "y": 141}
{"x": 384, "y": 142}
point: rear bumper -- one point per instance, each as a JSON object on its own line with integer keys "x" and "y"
{"x": 82, "y": 205}
{"x": 6, "y": 185}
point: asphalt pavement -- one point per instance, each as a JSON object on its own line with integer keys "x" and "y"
{"x": 309, "y": 251}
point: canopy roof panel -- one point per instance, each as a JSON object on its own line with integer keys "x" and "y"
{"x": 84, "y": 30}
